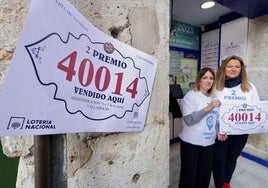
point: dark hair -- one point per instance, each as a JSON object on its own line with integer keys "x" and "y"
{"x": 199, "y": 76}
{"x": 221, "y": 77}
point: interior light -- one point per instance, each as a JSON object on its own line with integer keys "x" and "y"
{"x": 207, "y": 4}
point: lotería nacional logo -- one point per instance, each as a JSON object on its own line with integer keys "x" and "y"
{"x": 21, "y": 122}
{"x": 16, "y": 123}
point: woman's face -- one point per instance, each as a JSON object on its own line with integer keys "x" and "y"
{"x": 206, "y": 82}
{"x": 233, "y": 69}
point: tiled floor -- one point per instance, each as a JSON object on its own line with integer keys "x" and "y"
{"x": 248, "y": 174}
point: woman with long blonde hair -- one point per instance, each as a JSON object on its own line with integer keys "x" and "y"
{"x": 232, "y": 85}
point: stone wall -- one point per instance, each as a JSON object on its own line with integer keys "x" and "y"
{"x": 112, "y": 159}
{"x": 257, "y": 69}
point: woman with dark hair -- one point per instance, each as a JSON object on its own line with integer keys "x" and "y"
{"x": 232, "y": 85}
{"x": 198, "y": 132}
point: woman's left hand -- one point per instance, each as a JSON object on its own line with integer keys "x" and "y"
{"x": 222, "y": 137}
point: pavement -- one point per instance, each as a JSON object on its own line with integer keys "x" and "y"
{"x": 248, "y": 172}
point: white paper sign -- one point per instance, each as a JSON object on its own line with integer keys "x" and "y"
{"x": 244, "y": 118}
{"x": 236, "y": 42}
{"x": 67, "y": 76}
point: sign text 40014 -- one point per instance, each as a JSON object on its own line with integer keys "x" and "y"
{"x": 86, "y": 80}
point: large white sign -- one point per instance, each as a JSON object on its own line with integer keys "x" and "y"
{"x": 67, "y": 76}
{"x": 244, "y": 118}
{"x": 234, "y": 36}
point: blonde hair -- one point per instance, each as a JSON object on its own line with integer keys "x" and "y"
{"x": 199, "y": 76}
{"x": 221, "y": 77}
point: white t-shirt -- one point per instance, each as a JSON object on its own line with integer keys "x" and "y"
{"x": 235, "y": 94}
{"x": 202, "y": 133}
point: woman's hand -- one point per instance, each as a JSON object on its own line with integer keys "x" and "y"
{"x": 222, "y": 137}
{"x": 214, "y": 103}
